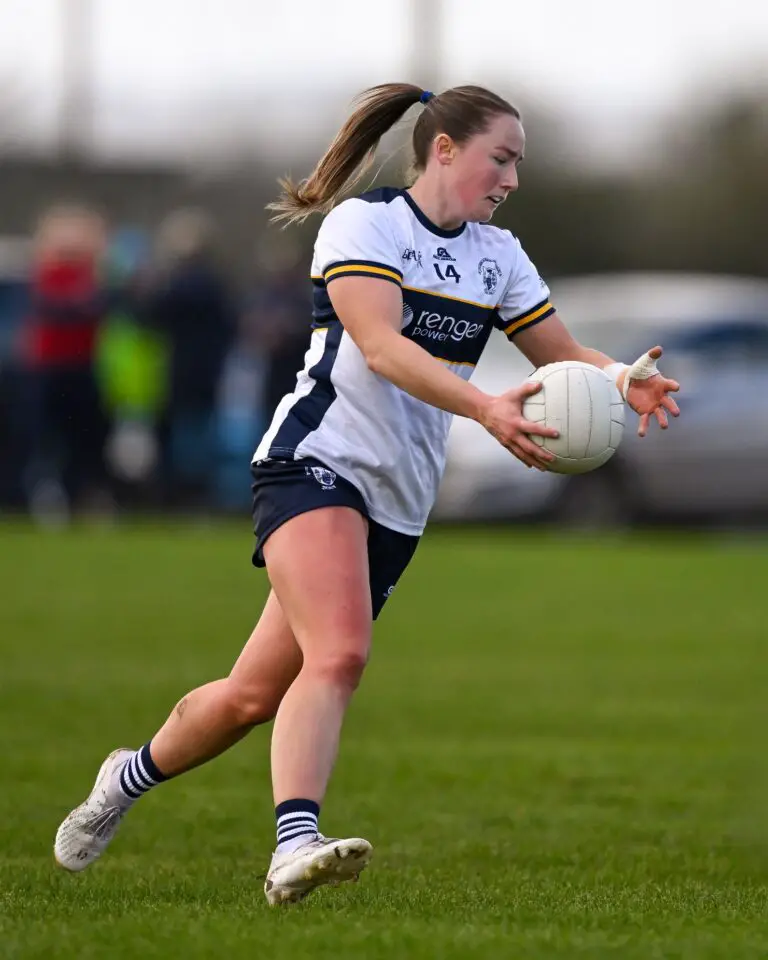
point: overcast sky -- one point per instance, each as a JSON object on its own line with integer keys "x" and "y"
{"x": 166, "y": 72}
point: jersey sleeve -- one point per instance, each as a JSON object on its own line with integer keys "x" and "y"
{"x": 356, "y": 240}
{"x": 525, "y": 301}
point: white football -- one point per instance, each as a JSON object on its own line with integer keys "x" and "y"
{"x": 584, "y": 404}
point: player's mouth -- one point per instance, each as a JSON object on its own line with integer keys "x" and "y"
{"x": 496, "y": 199}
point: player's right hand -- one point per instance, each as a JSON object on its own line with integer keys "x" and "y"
{"x": 503, "y": 418}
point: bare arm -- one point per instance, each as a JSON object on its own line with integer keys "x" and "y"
{"x": 371, "y": 312}
{"x": 550, "y": 341}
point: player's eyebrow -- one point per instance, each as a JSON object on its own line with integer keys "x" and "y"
{"x": 513, "y": 154}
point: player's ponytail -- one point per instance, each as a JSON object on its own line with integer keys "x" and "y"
{"x": 349, "y": 156}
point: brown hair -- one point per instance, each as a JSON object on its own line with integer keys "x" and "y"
{"x": 460, "y": 112}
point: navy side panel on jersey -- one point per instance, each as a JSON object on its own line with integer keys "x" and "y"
{"x": 323, "y": 313}
{"x": 452, "y": 330}
{"x": 307, "y": 413}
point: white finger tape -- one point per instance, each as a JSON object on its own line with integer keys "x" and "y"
{"x": 642, "y": 369}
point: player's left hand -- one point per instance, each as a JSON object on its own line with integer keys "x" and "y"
{"x": 647, "y": 391}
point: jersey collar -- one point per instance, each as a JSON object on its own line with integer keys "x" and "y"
{"x": 426, "y": 222}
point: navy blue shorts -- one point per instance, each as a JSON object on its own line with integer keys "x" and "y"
{"x": 283, "y": 489}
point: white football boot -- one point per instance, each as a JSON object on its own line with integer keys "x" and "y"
{"x": 85, "y": 834}
{"x": 324, "y": 860}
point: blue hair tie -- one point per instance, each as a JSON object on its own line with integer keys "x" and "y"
{"x": 426, "y": 96}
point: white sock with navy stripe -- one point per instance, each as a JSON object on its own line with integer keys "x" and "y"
{"x": 139, "y": 774}
{"x": 296, "y": 824}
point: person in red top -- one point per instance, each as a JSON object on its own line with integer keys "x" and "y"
{"x": 66, "y": 428}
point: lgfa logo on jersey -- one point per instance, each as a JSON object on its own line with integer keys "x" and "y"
{"x": 490, "y": 272}
{"x": 442, "y": 254}
{"x": 410, "y": 254}
{"x": 326, "y": 478}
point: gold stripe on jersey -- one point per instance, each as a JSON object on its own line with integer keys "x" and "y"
{"x": 538, "y": 313}
{"x": 455, "y": 363}
{"x": 447, "y": 296}
{"x": 352, "y": 269}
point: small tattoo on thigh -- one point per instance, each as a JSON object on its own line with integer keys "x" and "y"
{"x": 181, "y": 707}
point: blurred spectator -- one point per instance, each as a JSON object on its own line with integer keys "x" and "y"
{"x": 191, "y": 304}
{"x": 131, "y": 367}
{"x": 240, "y": 424}
{"x": 278, "y": 318}
{"x": 65, "y": 428}
{"x": 14, "y": 307}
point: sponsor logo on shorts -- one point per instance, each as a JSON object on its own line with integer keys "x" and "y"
{"x": 326, "y": 478}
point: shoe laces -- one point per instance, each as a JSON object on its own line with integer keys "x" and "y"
{"x": 100, "y": 825}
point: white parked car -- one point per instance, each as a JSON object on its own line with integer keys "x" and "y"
{"x": 711, "y": 464}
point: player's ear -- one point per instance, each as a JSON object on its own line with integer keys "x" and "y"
{"x": 445, "y": 148}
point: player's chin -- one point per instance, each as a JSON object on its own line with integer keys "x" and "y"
{"x": 484, "y": 211}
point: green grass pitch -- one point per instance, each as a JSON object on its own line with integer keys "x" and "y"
{"x": 558, "y": 752}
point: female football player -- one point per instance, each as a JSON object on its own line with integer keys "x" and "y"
{"x": 407, "y": 286}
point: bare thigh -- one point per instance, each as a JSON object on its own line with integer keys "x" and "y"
{"x": 318, "y": 566}
{"x": 270, "y": 660}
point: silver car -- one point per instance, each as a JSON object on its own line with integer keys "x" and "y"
{"x": 712, "y": 464}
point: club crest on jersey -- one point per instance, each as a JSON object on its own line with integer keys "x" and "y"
{"x": 326, "y": 478}
{"x": 410, "y": 254}
{"x": 442, "y": 254}
{"x": 490, "y": 272}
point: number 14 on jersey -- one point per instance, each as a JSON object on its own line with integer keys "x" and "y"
{"x": 450, "y": 272}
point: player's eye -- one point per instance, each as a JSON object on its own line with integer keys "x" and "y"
{"x": 501, "y": 161}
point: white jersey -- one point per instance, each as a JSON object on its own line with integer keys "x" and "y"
{"x": 457, "y": 285}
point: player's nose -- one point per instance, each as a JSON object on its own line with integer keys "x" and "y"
{"x": 509, "y": 181}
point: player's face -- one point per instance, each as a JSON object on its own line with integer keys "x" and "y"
{"x": 484, "y": 170}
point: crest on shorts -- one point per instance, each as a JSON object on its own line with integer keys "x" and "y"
{"x": 490, "y": 272}
{"x": 326, "y": 478}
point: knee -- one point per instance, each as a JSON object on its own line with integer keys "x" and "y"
{"x": 343, "y": 668}
{"x": 250, "y": 706}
